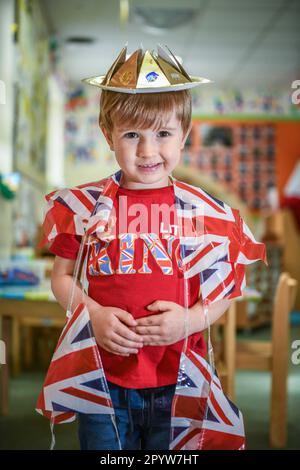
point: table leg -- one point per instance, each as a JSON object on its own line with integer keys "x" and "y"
{"x": 28, "y": 343}
{"x": 16, "y": 366}
{"x": 4, "y": 371}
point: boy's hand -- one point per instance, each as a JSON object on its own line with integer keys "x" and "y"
{"x": 165, "y": 328}
{"x": 111, "y": 327}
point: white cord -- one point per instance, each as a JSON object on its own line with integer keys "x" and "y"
{"x": 52, "y": 445}
{"x": 209, "y": 343}
{"x": 75, "y": 276}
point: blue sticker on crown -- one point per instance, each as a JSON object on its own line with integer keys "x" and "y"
{"x": 152, "y": 76}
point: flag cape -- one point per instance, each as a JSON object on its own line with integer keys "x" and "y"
{"x": 216, "y": 244}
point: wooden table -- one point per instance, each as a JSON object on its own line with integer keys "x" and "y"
{"x": 12, "y": 313}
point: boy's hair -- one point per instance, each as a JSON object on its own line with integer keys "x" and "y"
{"x": 144, "y": 110}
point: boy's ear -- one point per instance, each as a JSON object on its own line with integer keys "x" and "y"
{"x": 186, "y": 136}
{"x": 107, "y": 136}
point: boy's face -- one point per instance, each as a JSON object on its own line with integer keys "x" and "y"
{"x": 135, "y": 148}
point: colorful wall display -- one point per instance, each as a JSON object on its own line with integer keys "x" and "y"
{"x": 31, "y": 90}
{"x": 239, "y": 156}
{"x": 87, "y": 155}
{"x": 255, "y": 103}
{"x": 253, "y": 159}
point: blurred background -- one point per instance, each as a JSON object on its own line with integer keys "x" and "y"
{"x": 244, "y": 148}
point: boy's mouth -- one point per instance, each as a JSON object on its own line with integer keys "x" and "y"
{"x": 150, "y": 167}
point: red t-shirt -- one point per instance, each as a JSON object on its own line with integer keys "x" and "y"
{"x": 137, "y": 267}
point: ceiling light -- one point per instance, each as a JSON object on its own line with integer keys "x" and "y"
{"x": 157, "y": 20}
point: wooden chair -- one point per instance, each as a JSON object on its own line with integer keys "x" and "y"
{"x": 224, "y": 345}
{"x": 273, "y": 356}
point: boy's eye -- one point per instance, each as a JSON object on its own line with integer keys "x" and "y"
{"x": 130, "y": 135}
{"x": 164, "y": 133}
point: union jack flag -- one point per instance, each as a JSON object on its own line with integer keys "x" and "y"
{"x": 203, "y": 417}
{"x": 75, "y": 381}
{"x": 220, "y": 243}
{"x": 216, "y": 244}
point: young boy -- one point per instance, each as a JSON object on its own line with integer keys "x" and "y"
{"x": 136, "y": 297}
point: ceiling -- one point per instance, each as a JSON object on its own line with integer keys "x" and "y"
{"x": 244, "y": 43}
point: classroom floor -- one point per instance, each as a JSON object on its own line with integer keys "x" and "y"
{"x": 25, "y": 429}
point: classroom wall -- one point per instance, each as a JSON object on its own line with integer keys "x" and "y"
{"x": 288, "y": 151}
{"x": 87, "y": 155}
{"x": 6, "y": 116}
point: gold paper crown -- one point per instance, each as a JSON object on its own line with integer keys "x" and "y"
{"x": 146, "y": 72}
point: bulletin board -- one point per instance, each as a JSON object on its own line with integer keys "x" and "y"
{"x": 252, "y": 159}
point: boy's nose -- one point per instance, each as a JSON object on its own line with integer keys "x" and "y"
{"x": 146, "y": 148}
